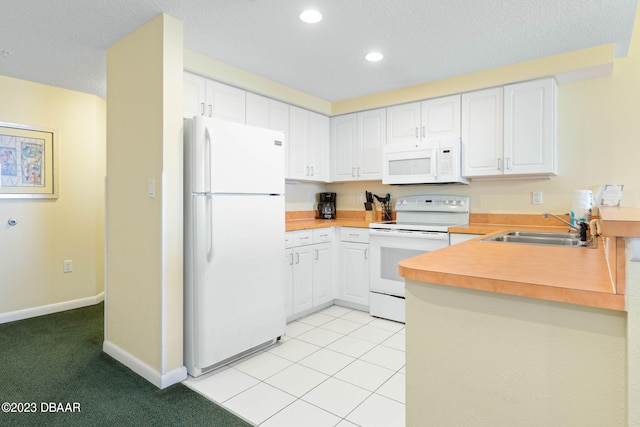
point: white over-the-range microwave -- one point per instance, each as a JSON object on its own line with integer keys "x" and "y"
{"x": 430, "y": 162}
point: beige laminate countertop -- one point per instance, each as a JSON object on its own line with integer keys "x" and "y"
{"x": 305, "y": 224}
{"x": 563, "y": 274}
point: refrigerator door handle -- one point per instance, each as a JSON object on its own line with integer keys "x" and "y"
{"x": 209, "y": 218}
{"x": 207, "y": 160}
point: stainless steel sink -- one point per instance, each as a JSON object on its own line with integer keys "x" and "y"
{"x": 540, "y": 238}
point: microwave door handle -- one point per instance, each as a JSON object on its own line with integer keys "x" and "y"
{"x": 436, "y": 157}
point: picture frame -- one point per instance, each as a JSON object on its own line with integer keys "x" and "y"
{"x": 28, "y": 162}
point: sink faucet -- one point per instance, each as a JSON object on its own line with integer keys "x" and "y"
{"x": 582, "y": 229}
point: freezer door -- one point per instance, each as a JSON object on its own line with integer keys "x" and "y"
{"x": 231, "y": 157}
{"x": 238, "y": 287}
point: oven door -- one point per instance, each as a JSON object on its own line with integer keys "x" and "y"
{"x": 388, "y": 247}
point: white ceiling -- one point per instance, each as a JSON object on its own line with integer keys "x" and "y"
{"x": 63, "y": 42}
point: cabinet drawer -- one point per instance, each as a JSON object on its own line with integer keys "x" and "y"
{"x": 358, "y": 235}
{"x": 288, "y": 239}
{"x": 321, "y": 235}
{"x": 301, "y": 238}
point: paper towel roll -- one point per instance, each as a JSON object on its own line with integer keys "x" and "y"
{"x": 581, "y": 206}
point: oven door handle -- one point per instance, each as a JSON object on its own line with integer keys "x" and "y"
{"x": 431, "y": 235}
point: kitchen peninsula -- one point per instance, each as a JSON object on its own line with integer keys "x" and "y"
{"x": 522, "y": 334}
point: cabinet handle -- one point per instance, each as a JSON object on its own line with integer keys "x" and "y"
{"x": 366, "y": 253}
{"x": 210, "y": 110}
{"x": 499, "y": 164}
{"x": 297, "y": 258}
{"x": 307, "y": 170}
{"x": 312, "y": 171}
{"x": 358, "y": 171}
{"x": 508, "y": 163}
{"x": 354, "y": 235}
{"x": 202, "y": 108}
{"x": 424, "y": 131}
{"x": 417, "y": 134}
{"x": 291, "y": 259}
{"x": 353, "y": 172}
{"x": 317, "y": 254}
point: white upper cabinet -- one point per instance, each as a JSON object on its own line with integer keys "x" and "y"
{"x": 267, "y": 113}
{"x": 482, "y": 132}
{"x": 510, "y": 131}
{"x": 225, "y": 102}
{"x": 356, "y": 145}
{"x": 404, "y": 123}
{"x": 344, "y": 135}
{"x": 308, "y": 145}
{"x": 433, "y": 119}
{"x": 530, "y": 128}
{"x": 204, "y": 97}
{"x": 194, "y": 95}
{"x": 441, "y": 118}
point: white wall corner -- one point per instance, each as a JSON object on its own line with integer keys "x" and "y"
{"x": 150, "y": 374}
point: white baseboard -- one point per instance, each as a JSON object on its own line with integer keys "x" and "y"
{"x": 145, "y": 371}
{"x": 42, "y": 310}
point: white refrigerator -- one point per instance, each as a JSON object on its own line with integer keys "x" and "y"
{"x": 234, "y": 278}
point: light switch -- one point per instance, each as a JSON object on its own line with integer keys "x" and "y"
{"x": 152, "y": 188}
{"x": 537, "y": 198}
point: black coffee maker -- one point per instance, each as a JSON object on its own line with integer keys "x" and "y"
{"x": 327, "y": 206}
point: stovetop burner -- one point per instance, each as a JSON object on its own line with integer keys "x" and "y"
{"x": 428, "y": 213}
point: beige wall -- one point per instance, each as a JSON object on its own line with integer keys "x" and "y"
{"x": 144, "y": 234}
{"x": 50, "y": 231}
{"x": 485, "y": 359}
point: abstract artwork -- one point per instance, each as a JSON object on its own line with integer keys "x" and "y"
{"x": 27, "y": 161}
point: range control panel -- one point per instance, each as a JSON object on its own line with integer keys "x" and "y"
{"x": 433, "y": 203}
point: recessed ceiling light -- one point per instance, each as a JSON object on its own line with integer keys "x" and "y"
{"x": 4, "y": 53}
{"x": 374, "y": 56}
{"x": 311, "y": 16}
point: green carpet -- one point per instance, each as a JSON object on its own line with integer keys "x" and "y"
{"x": 59, "y": 359}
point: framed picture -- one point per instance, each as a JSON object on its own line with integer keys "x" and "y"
{"x": 28, "y": 162}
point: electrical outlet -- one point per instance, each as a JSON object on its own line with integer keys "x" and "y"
{"x": 67, "y": 266}
{"x": 360, "y": 197}
{"x": 537, "y": 198}
{"x": 311, "y": 198}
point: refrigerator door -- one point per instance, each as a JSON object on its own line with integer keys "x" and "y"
{"x": 231, "y": 157}
{"x": 237, "y": 295}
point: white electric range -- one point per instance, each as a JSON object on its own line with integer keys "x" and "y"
{"x": 421, "y": 226}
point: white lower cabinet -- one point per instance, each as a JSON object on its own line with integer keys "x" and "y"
{"x": 353, "y": 285}
{"x": 310, "y": 273}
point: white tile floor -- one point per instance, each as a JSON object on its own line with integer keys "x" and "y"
{"x": 337, "y": 367}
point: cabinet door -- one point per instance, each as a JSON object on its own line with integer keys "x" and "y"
{"x": 344, "y": 134}
{"x": 354, "y": 272}
{"x": 319, "y": 146}
{"x": 266, "y": 113}
{"x": 288, "y": 285}
{"x": 298, "y": 141}
{"x": 225, "y": 102}
{"x": 441, "y": 118}
{"x": 278, "y": 116}
{"x": 194, "y": 95}
{"x": 403, "y": 123}
{"x": 257, "y": 110}
{"x": 529, "y": 127}
{"x": 322, "y": 273}
{"x": 371, "y": 139}
{"x": 482, "y": 134}
{"x": 302, "y": 279}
